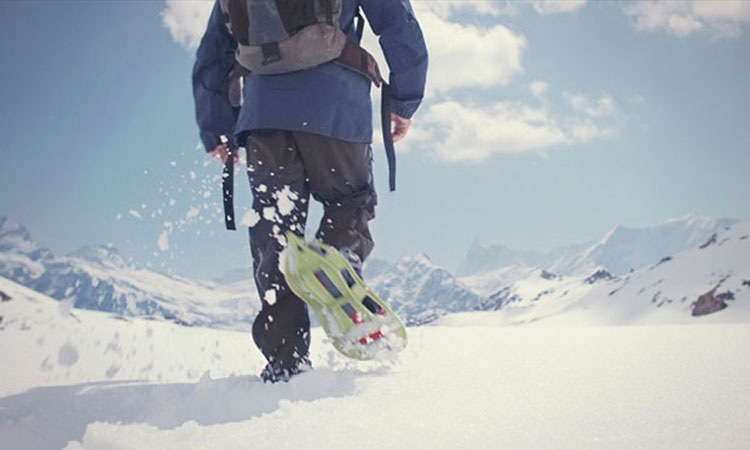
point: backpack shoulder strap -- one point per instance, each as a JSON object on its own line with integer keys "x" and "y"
{"x": 237, "y": 16}
{"x": 360, "y": 25}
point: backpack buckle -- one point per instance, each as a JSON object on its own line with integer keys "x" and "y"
{"x": 271, "y": 53}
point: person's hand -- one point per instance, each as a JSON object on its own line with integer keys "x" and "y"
{"x": 221, "y": 151}
{"x": 400, "y": 126}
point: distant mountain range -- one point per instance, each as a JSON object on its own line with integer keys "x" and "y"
{"x": 619, "y": 251}
{"x": 685, "y": 287}
{"x": 514, "y": 283}
{"x": 419, "y": 289}
{"x": 97, "y": 278}
{"x": 497, "y": 278}
{"x": 483, "y": 258}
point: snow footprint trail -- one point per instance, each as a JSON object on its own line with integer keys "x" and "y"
{"x": 462, "y": 383}
{"x": 51, "y": 417}
{"x": 519, "y": 388}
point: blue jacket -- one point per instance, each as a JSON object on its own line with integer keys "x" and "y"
{"x": 328, "y": 99}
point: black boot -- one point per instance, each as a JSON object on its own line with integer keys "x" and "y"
{"x": 271, "y": 374}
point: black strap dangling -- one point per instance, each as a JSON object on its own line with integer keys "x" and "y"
{"x": 385, "y": 116}
{"x": 227, "y": 185}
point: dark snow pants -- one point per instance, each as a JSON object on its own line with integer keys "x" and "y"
{"x": 284, "y": 169}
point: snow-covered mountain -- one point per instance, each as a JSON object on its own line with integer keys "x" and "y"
{"x": 488, "y": 258}
{"x": 626, "y": 248}
{"x": 21, "y": 259}
{"x": 709, "y": 279}
{"x": 620, "y": 250}
{"x": 419, "y": 289}
{"x": 98, "y": 278}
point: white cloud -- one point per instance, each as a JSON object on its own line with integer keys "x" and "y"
{"x": 496, "y": 8}
{"x": 463, "y": 132}
{"x": 603, "y": 107}
{"x": 468, "y": 56}
{"x": 557, "y": 6}
{"x": 539, "y": 89}
{"x": 445, "y": 9}
{"x": 637, "y": 99}
{"x": 722, "y": 18}
{"x": 586, "y": 130}
{"x": 186, "y": 20}
{"x": 462, "y": 55}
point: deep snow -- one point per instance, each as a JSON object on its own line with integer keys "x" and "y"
{"x": 80, "y": 379}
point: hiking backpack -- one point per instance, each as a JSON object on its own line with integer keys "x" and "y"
{"x": 280, "y": 36}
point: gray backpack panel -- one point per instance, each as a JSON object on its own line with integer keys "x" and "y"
{"x": 264, "y": 23}
{"x": 280, "y": 36}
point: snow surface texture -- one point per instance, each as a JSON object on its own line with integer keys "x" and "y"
{"x": 80, "y": 379}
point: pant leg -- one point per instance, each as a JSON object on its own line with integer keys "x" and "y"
{"x": 340, "y": 177}
{"x": 280, "y": 200}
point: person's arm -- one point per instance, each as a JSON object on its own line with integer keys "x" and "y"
{"x": 215, "y": 59}
{"x": 404, "y": 49}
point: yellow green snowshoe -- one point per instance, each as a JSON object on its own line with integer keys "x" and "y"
{"x": 359, "y": 324}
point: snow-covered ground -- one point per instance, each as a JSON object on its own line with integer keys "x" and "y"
{"x": 81, "y": 379}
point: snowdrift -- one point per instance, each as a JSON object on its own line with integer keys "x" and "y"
{"x": 80, "y": 379}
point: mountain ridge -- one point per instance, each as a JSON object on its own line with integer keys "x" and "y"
{"x": 97, "y": 277}
{"x": 620, "y": 249}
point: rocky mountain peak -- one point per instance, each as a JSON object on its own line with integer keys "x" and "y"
{"x": 10, "y": 227}
{"x": 15, "y": 238}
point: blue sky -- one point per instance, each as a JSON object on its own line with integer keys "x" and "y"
{"x": 545, "y": 123}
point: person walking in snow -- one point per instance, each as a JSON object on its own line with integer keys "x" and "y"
{"x": 306, "y": 132}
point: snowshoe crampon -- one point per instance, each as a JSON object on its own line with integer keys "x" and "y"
{"x": 359, "y": 324}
